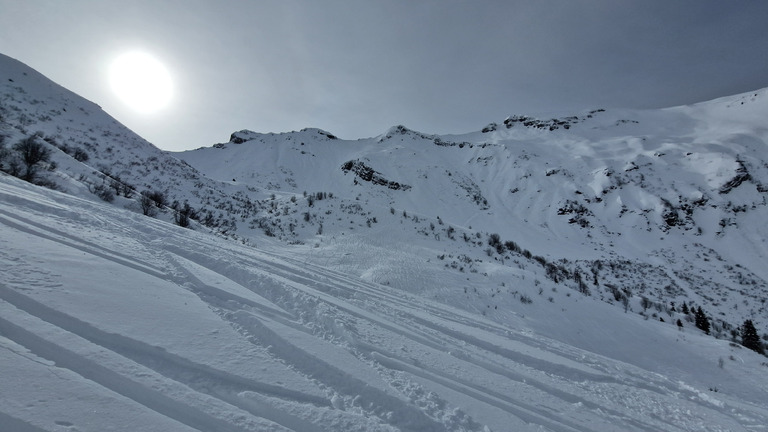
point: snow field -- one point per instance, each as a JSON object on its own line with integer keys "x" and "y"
{"x": 172, "y": 329}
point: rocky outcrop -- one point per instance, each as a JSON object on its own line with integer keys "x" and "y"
{"x": 368, "y": 174}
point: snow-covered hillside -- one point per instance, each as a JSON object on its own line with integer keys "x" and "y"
{"x": 95, "y": 155}
{"x": 528, "y": 276}
{"x": 114, "y": 321}
{"x": 667, "y": 205}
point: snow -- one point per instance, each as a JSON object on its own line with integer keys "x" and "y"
{"x": 112, "y": 321}
{"x": 368, "y": 307}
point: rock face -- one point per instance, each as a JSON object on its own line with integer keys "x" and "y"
{"x": 550, "y": 124}
{"x": 368, "y": 174}
{"x": 741, "y": 176}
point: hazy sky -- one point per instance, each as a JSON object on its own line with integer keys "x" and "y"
{"x": 357, "y": 67}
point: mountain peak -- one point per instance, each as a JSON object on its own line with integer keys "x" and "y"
{"x": 246, "y": 135}
{"x": 402, "y": 130}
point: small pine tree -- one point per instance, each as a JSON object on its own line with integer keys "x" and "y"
{"x": 749, "y": 337}
{"x": 685, "y": 309}
{"x": 702, "y": 322}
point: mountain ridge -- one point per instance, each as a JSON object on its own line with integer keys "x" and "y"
{"x": 672, "y": 181}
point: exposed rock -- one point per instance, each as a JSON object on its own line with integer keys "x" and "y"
{"x": 368, "y": 174}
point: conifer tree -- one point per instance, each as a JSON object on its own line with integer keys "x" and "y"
{"x": 685, "y": 309}
{"x": 749, "y": 337}
{"x": 701, "y": 320}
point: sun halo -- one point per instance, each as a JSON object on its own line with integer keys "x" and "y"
{"x": 141, "y": 81}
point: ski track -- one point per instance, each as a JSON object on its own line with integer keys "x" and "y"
{"x": 201, "y": 378}
{"x": 525, "y": 412}
{"x": 10, "y": 423}
{"x": 286, "y": 277}
{"x": 260, "y": 331}
{"x": 175, "y": 367}
{"x": 155, "y": 401}
{"x": 257, "y": 330}
{"x": 333, "y": 282}
{"x": 407, "y": 417}
{"x": 156, "y": 358}
{"x": 31, "y": 227}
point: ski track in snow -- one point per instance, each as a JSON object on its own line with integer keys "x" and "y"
{"x": 384, "y": 359}
{"x": 340, "y": 285}
{"x": 93, "y": 371}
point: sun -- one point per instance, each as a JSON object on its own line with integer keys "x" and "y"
{"x": 141, "y": 81}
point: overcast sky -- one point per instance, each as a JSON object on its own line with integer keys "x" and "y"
{"x": 357, "y": 67}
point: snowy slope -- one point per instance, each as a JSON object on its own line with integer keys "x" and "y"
{"x": 357, "y": 285}
{"x": 91, "y": 149}
{"x": 663, "y": 204}
{"x": 114, "y": 321}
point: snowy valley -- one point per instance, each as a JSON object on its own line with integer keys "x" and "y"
{"x": 527, "y": 276}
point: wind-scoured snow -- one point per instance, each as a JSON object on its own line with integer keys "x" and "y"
{"x": 525, "y": 277}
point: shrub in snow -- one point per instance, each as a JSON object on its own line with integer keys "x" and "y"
{"x": 147, "y": 203}
{"x": 80, "y": 155}
{"x": 31, "y": 153}
{"x": 103, "y": 192}
{"x": 6, "y": 158}
{"x": 184, "y": 214}
{"x": 158, "y": 197}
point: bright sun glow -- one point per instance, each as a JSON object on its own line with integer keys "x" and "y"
{"x": 141, "y": 81}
